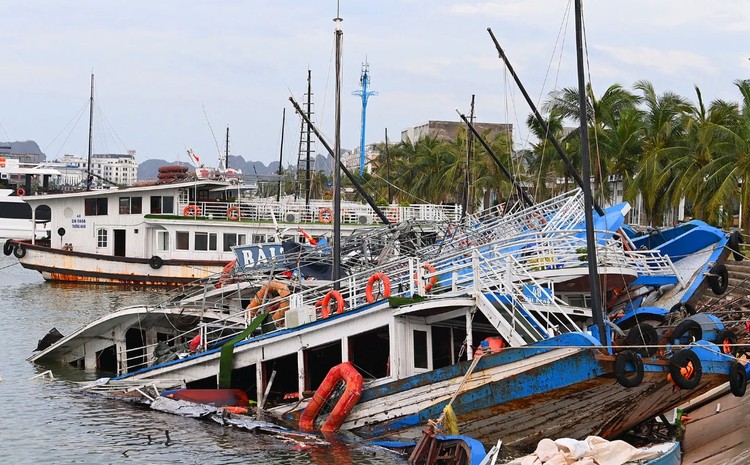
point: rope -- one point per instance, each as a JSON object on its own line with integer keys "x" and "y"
{"x": 460, "y": 386}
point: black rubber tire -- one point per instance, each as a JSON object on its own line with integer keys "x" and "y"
{"x": 7, "y": 247}
{"x": 737, "y": 379}
{"x": 156, "y": 262}
{"x": 723, "y": 336}
{"x": 719, "y": 279}
{"x": 680, "y": 360}
{"x": 735, "y": 239}
{"x": 643, "y": 334}
{"x": 687, "y": 327}
{"x": 19, "y": 251}
{"x": 626, "y": 379}
{"x": 688, "y": 308}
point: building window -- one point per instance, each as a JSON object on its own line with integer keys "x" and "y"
{"x": 162, "y": 204}
{"x": 101, "y": 238}
{"x": 130, "y": 205}
{"x": 182, "y": 240}
{"x": 205, "y": 241}
{"x": 95, "y": 207}
{"x": 162, "y": 241}
{"x": 231, "y": 240}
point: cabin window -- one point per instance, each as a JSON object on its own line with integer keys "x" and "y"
{"x": 231, "y": 240}
{"x": 420, "y": 349}
{"x": 370, "y": 352}
{"x": 162, "y": 241}
{"x": 95, "y": 207}
{"x": 259, "y": 238}
{"x": 205, "y": 241}
{"x": 130, "y": 205}
{"x": 162, "y": 204}
{"x": 182, "y": 240}
{"x": 101, "y": 238}
{"x": 318, "y": 360}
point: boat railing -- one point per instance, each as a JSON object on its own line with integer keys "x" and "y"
{"x": 315, "y": 212}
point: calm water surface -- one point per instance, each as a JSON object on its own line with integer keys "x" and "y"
{"x": 51, "y": 421}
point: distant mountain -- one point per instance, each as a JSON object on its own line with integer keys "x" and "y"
{"x": 27, "y": 147}
{"x": 149, "y": 168}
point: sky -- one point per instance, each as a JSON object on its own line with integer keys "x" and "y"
{"x": 173, "y": 74}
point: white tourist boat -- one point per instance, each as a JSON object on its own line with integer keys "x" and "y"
{"x": 176, "y": 233}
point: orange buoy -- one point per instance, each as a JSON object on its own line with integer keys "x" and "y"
{"x": 325, "y": 303}
{"x": 341, "y": 372}
{"x": 432, "y": 280}
{"x": 325, "y": 215}
{"x": 383, "y": 278}
{"x": 233, "y": 213}
{"x": 191, "y": 210}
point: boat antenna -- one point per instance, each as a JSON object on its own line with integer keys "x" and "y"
{"x": 337, "y": 157}
{"x": 588, "y": 201}
{"x": 224, "y": 164}
{"x": 540, "y": 120}
{"x": 364, "y": 81}
{"x": 346, "y": 172}
{"x": 522, "y": 193}
{"x": 89, "y": 178}
{"x": 281, "y": 153}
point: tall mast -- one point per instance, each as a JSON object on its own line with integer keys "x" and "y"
{"x": 388, "y": 168}
{"x": 90, "y": 178}
{"x": 364, "y": 82}
{"x": 588, "y": 201}
{"x": 281, "y": 152}
{"x": 467, "y": 181}
{"x": 337, "y": 159}
{"x": 307, "y": 150}
{"x": 226, "y": 153}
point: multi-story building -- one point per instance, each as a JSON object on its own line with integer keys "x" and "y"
{"x": 119, "y": 169}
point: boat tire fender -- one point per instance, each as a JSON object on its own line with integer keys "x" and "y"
{"x": 687, "y": 327}
{"x": 726, "y": 340}
{"x": 643, "y": 334}
{"x": 156, "y": 262}
{"x": 679, "y": 307}
{"x": 735, "y": 239}
{"x": 679, "y": 361}
{"x": 718, "y": 279}
{"x": 737, "y": 379}
{"x": 7, "y": 247}
{"x": 19, "y": 251}
{"x": 622, "y": 360}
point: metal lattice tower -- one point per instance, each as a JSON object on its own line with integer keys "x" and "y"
{"x": 306, "y": 147}
{"x": 364, "y": 82}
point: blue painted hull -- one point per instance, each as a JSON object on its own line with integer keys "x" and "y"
{"x": 561, "y": 387}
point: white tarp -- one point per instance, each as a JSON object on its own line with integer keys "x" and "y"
{"x": 591, "y": 451}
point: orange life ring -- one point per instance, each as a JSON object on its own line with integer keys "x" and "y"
{"x": 191, "y": 210}
{"x": 341, "y": 372}
{"x": 281, "y": 292}
{"x": 383, "y": 278}
{"x": 432, "y": 280}
{"x": 392, "y": 214}
{"x": 325, "y": 215}
{"x": 226, "y": 272}
{"x": 233, "y": 213}
{"x": 325, "y": 303}
{"x": 20, "y": 192}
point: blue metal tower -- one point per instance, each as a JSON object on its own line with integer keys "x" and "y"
{"x": 364, "y": 81}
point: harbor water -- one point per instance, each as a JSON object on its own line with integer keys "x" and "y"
{"x": 51, "y": 420}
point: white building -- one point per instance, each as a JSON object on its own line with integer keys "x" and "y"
{"x": 119, "y": 169}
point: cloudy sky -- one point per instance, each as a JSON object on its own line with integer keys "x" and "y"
{"x": 168, "y": 72}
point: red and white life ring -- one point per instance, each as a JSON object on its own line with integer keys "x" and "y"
{"x": 325, "y": 215}
{"x": 233, "y": 213}
{"x": 191, "y": 210}
{"x": 20, "y": 192}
